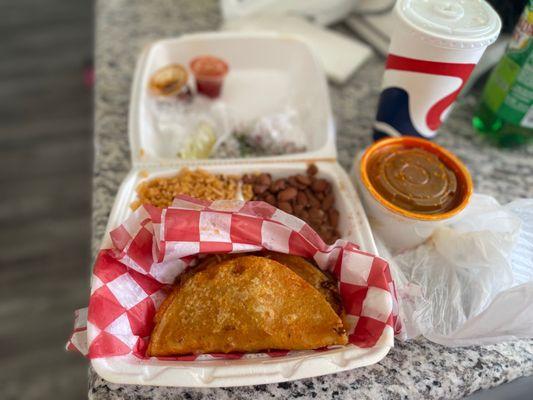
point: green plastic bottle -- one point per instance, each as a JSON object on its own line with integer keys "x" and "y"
{"x": 505, "y": 113}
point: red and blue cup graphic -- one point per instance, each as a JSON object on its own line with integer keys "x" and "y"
{"x": 417, "y": 95}
{"x": 434, "y": 47}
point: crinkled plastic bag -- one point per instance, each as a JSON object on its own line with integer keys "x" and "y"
{"x": 471, "y": 282}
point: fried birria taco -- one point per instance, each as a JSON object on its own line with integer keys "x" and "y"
{"x": 321, "y": 281}
{"x": 244, "y": 304}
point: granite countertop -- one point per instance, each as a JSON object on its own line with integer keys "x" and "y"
{"x": 416, "y": 369}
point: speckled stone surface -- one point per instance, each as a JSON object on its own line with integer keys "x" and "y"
{"x": 417, "y": 369}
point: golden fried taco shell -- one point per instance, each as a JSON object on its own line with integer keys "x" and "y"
{"x": 244, "y": 304}
{"x": 321, "y": 281}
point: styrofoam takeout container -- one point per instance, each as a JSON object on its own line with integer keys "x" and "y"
{"x": 245, "y": 53}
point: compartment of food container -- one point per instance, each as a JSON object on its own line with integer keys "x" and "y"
{"x": 353, "y": 226}
{"x": 274, "y": 84}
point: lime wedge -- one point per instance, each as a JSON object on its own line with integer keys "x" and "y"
{"x": 199, "y": 144}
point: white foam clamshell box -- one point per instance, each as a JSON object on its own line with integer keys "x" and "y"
{"x": 265, "y": 64}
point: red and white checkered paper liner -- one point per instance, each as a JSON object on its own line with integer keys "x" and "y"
{"x": 153, "y": 246}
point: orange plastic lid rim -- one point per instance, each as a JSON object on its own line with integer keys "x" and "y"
{"x": 451, "y": 161}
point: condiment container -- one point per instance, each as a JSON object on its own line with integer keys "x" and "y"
{"x": 401, "y": 228}
{"x": 209, "y": 73}
{"x": 170, "y": 80}
{"x": 282, "y": 69}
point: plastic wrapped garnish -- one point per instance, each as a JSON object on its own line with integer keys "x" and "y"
{"x": 199, "y": 144}
{"x": 274, "y": 134}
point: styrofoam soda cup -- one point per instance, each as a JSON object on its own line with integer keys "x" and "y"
{"x": 434, "y": 48}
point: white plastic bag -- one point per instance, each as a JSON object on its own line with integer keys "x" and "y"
{"x": 472, "y": 281}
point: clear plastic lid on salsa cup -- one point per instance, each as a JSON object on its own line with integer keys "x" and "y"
{"x": 420, "y": 178}
{"x": 209, "y": 72}
{"x": 411, "y": 187}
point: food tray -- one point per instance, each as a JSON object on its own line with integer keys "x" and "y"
{"x": 353, "y": 226}
{"x": 262, "y": 51}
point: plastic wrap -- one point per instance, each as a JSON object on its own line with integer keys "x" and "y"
{"x": 472, "y": 281}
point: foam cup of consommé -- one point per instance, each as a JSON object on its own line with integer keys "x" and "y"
{"x": 399, "y": 227}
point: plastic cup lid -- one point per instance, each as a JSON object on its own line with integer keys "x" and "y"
{"x": 454, "y": 23}
{"x": 209, "y": 67}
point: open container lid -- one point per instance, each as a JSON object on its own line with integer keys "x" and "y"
{"x": 268, "y": 71}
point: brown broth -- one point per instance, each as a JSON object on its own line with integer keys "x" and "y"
{"x": 414, "y": 179}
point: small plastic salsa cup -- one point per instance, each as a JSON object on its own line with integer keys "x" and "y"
{"x": 405, "y": 227}
{"x": 209, "y": 72}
